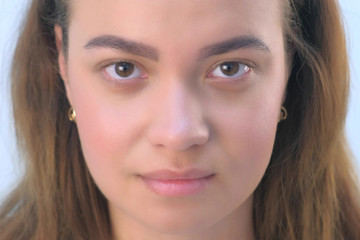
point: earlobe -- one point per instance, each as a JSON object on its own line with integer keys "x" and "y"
{"x": 61, "y": 59}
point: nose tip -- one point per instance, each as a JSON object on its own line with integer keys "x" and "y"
{"x": 178, "y": 122}
{"x": 180, "y": 134}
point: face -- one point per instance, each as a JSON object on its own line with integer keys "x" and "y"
{"x": 177, "y": 106}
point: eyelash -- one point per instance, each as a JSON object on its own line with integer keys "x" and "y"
{"x": 110, "y": 65}
{"x": 217, "y": 68}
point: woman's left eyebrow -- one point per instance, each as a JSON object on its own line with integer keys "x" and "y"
{"x": 232, "y": 45}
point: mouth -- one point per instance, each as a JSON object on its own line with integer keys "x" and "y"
{"x": 172, "y": 183}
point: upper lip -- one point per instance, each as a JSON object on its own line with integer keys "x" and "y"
{"x": 166, "y": 174}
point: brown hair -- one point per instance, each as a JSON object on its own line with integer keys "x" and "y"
{"x": 309, "y": 190}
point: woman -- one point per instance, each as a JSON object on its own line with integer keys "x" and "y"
{"x": 182, "y": 120}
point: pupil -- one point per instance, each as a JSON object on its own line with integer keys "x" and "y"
{"x": 229, "y": 68}
{"x": 124, "y": 69}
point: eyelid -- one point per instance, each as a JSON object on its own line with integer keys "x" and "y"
{"x": 252, "y": 66}
{"x": 125, "y": 83}
{"x": 104, "y": 64}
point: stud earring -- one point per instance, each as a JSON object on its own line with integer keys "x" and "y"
{"x": 72, "y": 114}
{"x": 284, "y": 113}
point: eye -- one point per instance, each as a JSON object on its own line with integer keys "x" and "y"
{"x": 123, "y": 71}
{"x": 230, "y": 70}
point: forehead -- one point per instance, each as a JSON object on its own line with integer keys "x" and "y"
{"x": 158, "y": 22}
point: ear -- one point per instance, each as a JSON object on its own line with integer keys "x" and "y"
{"x": 289, "y": 66}
{"x": 62, "y": 60}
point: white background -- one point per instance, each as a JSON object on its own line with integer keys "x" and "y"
{"x": 11, "y": 14}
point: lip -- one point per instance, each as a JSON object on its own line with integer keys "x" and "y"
{"x": 172, "y": 183}
{"x": 165, "y": 174}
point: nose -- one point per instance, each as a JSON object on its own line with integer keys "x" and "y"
{"x": 178, "y": 123}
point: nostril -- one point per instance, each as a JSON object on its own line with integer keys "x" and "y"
{"x": 179, "y": 137}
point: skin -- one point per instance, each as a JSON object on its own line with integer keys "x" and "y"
{"x": 177, "y": 115}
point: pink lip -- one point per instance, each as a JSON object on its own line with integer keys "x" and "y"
{"x": 172, "y": 183}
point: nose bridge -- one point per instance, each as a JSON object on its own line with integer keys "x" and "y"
{"x": 179, "y": 122}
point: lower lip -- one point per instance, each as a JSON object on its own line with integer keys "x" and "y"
{"x": 180, "y": 187}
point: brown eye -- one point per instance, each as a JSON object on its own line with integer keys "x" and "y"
{"x": 124, "y": 69}
{"x": 229, "y": 68}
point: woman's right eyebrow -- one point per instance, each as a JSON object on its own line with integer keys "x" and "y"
{"x": 144, "y": 50}
{"x": 129, "y": 46}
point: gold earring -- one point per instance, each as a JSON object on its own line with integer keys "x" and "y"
{"x": 72, "y": 114}
{"x": 284, "y": 113}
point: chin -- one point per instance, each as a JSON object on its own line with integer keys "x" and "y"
{"x": 186, "y": 224}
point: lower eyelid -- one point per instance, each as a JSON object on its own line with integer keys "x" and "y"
{"x": 233, "y": 84}
{"x": 120, "y": 84}
{"x": 126, "y": 84}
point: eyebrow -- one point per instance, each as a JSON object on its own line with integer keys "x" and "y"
{"x": 233, "y": 44}
{"x": 128, "y": 46}
{"x": 141, "y": 49}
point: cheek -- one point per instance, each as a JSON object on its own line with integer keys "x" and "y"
{"x": 246, "y": 131}
{"x": 107, "y": 128}
{"x": 248, "y": 150}
{"x": 256, "y": 132}
{"x": 250, "y": 144}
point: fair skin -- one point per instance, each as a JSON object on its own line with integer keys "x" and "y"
{"x": 179, "y": 110}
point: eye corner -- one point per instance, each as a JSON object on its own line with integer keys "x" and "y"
{"x": 134, "y": 74}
